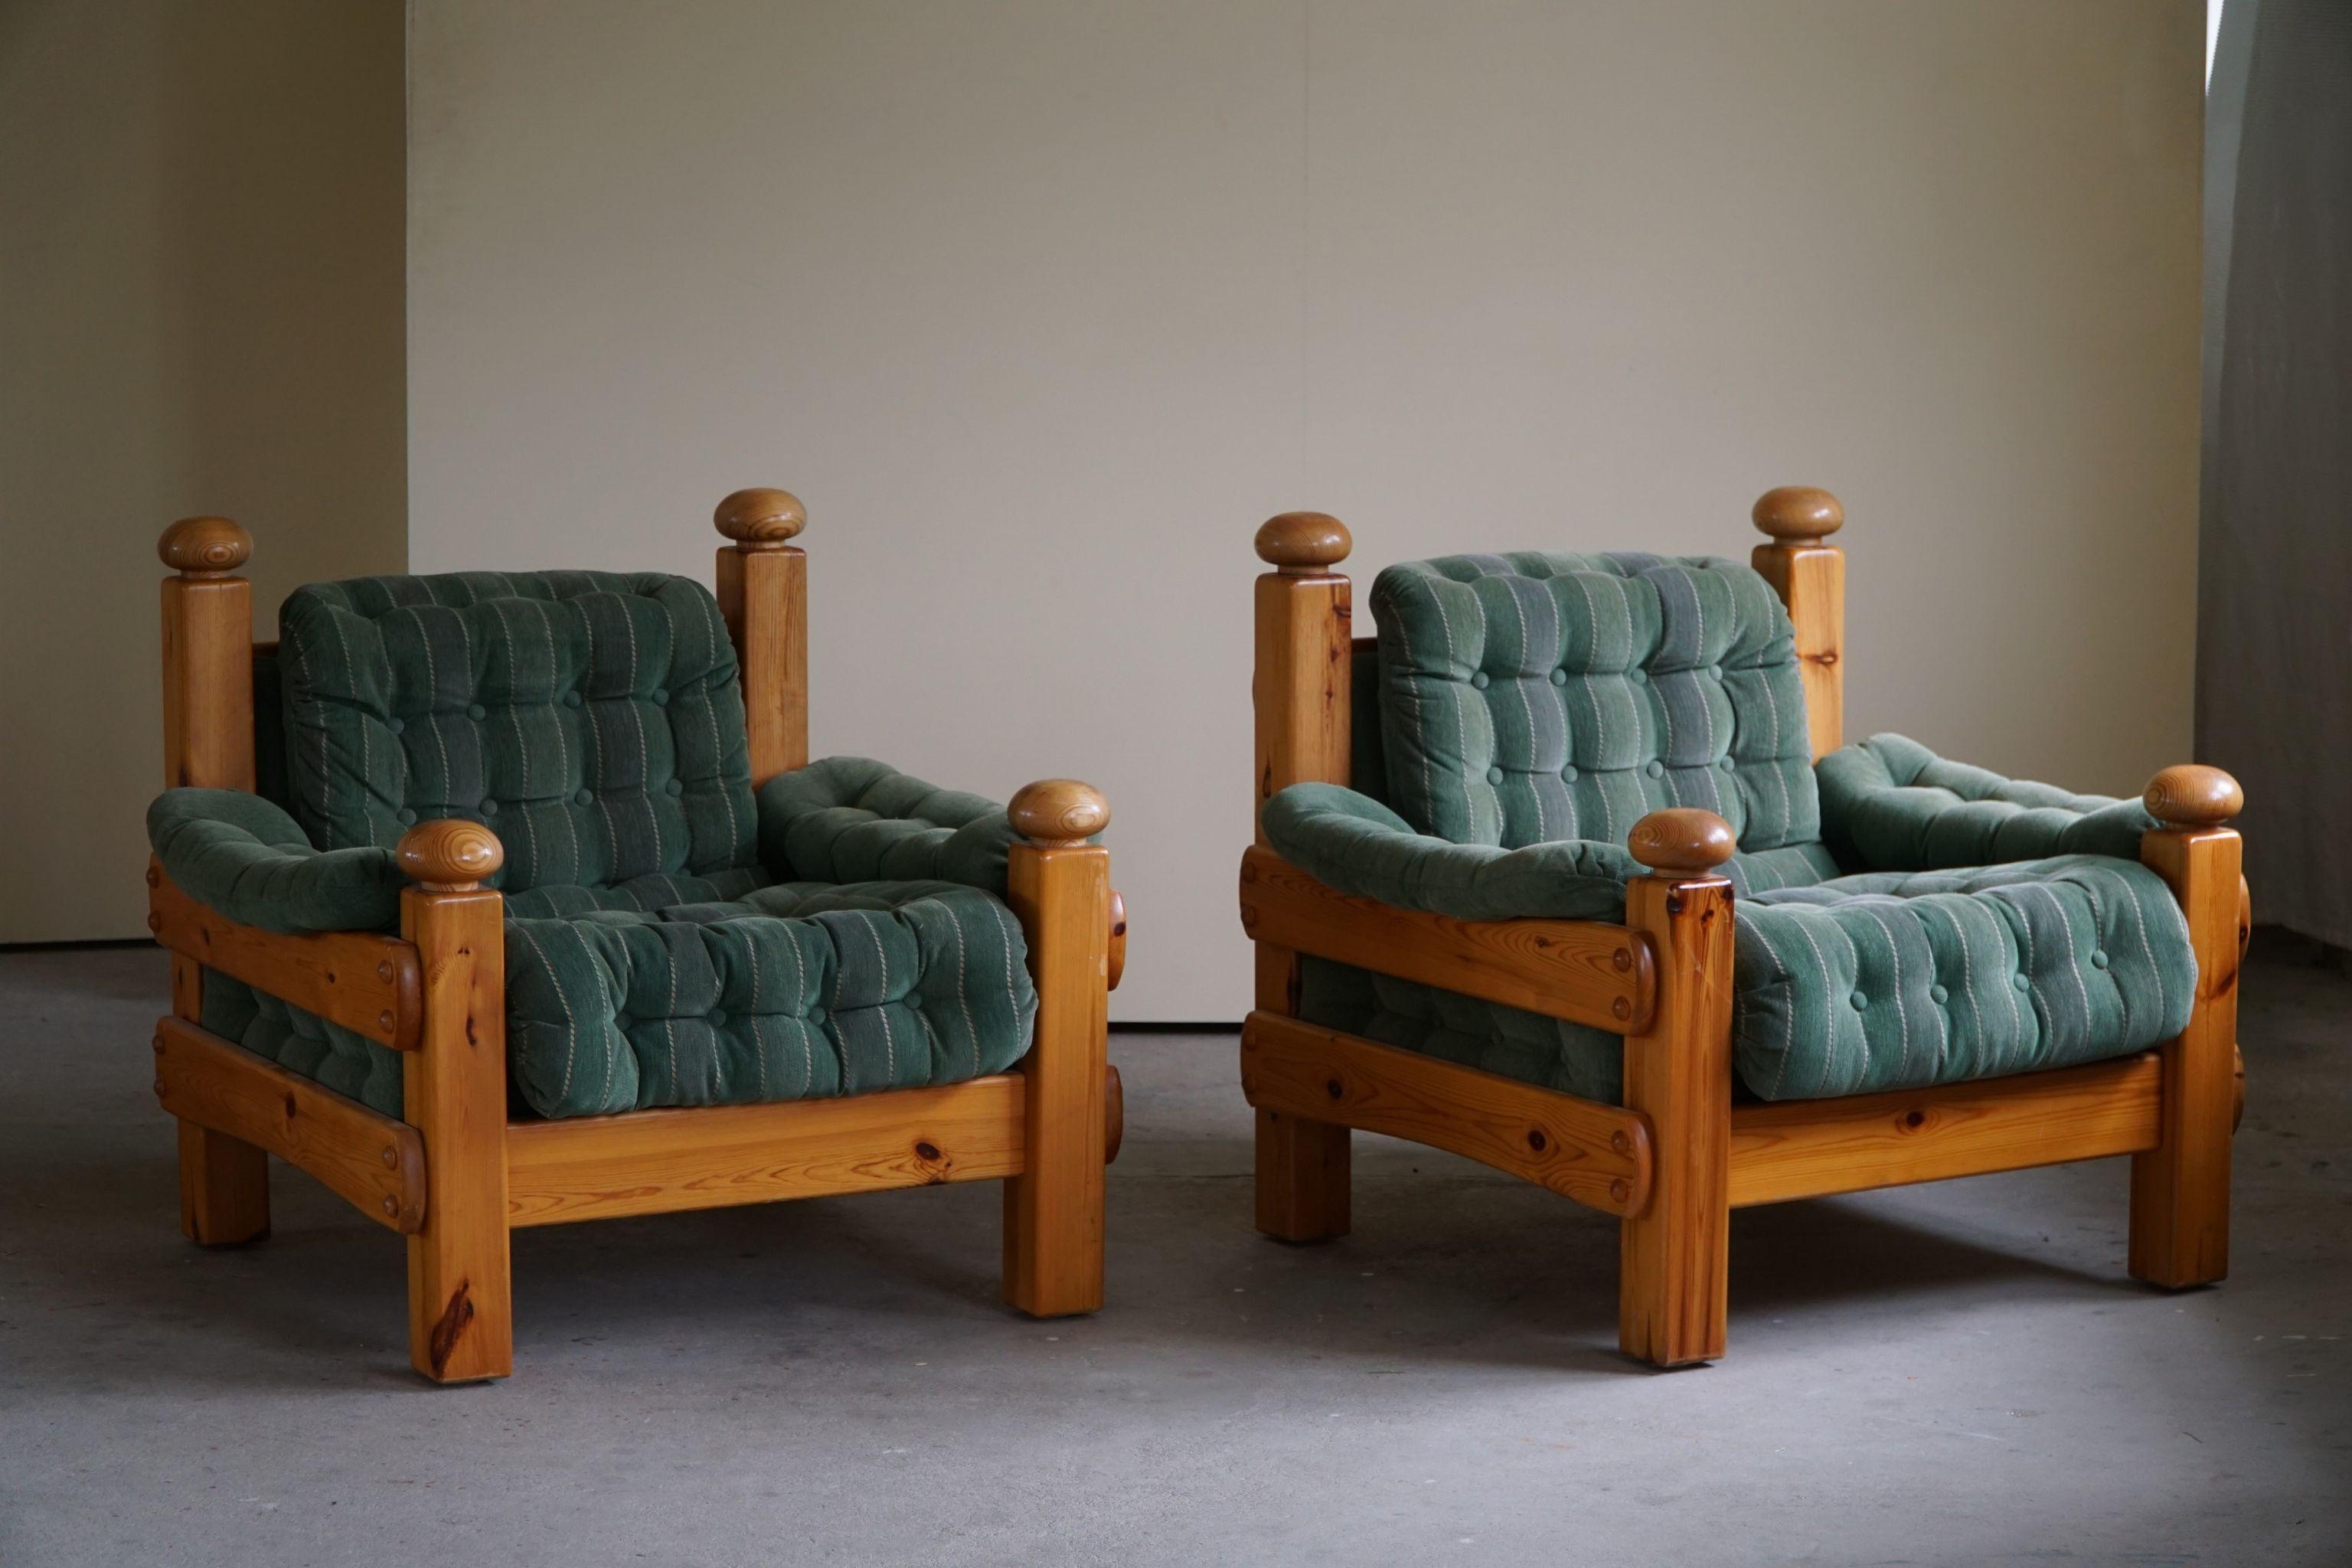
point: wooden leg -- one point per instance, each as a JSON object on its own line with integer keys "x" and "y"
{"x": 2181, "y": 1189}
{"x": 1673, "y": 1257}
{"x": 461, "y": 1304}
{"x": 1302, "y": 1178}
{"x": 1054, "y": 1209}
{"x": 224, "y": 1188}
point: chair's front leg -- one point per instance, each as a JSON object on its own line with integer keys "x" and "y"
{"x": 1059, "y": 887}
{"x": 224, "y": 1180}
{"x": 2181, "y": 1189}
{"x": 460, "y": 1301}
{"x": 1673, "y": 1257}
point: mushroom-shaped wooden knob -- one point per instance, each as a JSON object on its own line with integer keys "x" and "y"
{"x": 449, "y": 856}
{"x": 205, "y": 547}
{"x": 1303, "y": 543}
{"x": 2193, "y": 796}
{"x": 1056, "y": 814}
{"x": 1682, "y": 841}
{"x": 1799, "y": 515}
{"x": 760, "y": 519}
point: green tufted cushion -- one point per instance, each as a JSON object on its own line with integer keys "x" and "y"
{"x": 592, "y": 720}
{"x": 240, "y": 854}
{"x": 1891, "y": 803}
{"x": 1894, "y": 980}
{"x": 852, "y": 819}
{"x": 1534, "y": 697}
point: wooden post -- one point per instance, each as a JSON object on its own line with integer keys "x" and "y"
{"x": 2181, "y": 1189}
{"x": 208, "y": 744}
{"x": 460, "y": 1303}
{"x": 764, "y": 595}
{"x": 1810, "y": 576}
{"x": 1673, "y": 1257}
{"x": 1059, "y": 886}
{"x": 1301, "y": 690}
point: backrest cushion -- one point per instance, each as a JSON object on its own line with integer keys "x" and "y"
{"x": 1533, "y": 697}
{"x": 592, "y": 720}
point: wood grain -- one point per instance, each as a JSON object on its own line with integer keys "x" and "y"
{"x": 375, "y": 1163}
{"x": 652, "y": 1162}
{"x": 1674, "y": 1258}
{"x": 2180, "y": 1188}
{"x": 368, "y": 984}
{"x": 763, "y": 596}
{"x": 1300, "y": 689}
{"x": 1808, "y": 1148}
{"x": 1598, "y": 1154}
{"x": 1054, "y": 1208}
{"x": 207, "y": 683}
{"x": 460, "y": 1296}
{"x": 1585, "y": 971}
{"x": 1810, "y": 580}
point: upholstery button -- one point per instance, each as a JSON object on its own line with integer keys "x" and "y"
{"x": 1641, "y": 676}
{"x": 675, "y": 786}
{"x": 661, "y": 697}
{"x": 717, "y": 1018}
{"x": 1715, "y": 671}
{"x": 1729, "y": 767}
{"x": 394, "y": 725}
{"x": 475, "y": 711}
{"x": 1559, "y": 677}
{"x": 1568, "y": 774}
{"x": 1938, "y": 995}
{"x": 2099, "y": 959}
{"x": 1656, "y": 770}
{"x": 2022, "y": 984}
{"x": 582, "y": 797}
{"x": 1859, "y": 1001}
{"x": 571, "y": 699}
{"x": 1478, "y": 678}
{"x": 1493, "y": 775}
{"x": 490, "y": 808}
{"x": 405, "y": 817}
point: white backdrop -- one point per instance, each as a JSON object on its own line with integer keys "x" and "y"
{"x": 1043, "y": 307}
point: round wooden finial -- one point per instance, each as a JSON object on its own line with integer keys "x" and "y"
{"x": 1303, "y": 543}
{"x": 1682, "y": 840}
{"x": 1799, "y": 515}
{"x": 1059, "y": 813}
{"x": 205, "y": 547}
{"x": 760, "y": 519}
{"x": 450, "y": 854}
{"x": 2193, "y": 796}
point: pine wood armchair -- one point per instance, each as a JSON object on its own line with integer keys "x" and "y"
{"x": 1469, "y": 917}
{"x": 472, "y": 1036}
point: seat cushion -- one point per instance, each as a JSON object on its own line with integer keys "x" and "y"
{"x": 592, "y": 720}
{"x": 617, "y": 1001}
{"x": 1536, "y": 697}
{"x": 1876, "y": 982}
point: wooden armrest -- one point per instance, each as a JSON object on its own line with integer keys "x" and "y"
{"x": 1588, "y": 972}
{"x": 364, "y": 981}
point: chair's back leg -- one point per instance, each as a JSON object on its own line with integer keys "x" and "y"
{"x": 762, "y": 589}
{"x": 1059, "y": 887}
{"x": 1301, "y": 690}
{"x": 1810, "y": 574}
{"x": 207, "y": 625}
{"x": 2181, "y": 1189}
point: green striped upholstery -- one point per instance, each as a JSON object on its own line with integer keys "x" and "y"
{"x": 1534, "y": 697}
{"x": 1532, "y": 708}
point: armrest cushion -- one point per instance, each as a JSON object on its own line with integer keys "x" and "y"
{"x": 242, "y": 856}
{"x": 1889, "y": 804}
{"x": 852, "y": 819}
{"x": 1355, "y": 843}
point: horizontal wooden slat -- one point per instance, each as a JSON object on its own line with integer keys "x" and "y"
{"x": 651, "y": 1162}
{"x": 375, "y": 1163}
{"x": 1807, "y": 1147}
{"x": 1598, "y": 1154}
{"x": 1588, "y": 972}
{"x": 366, "y": 983}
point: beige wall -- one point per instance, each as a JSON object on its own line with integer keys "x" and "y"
{"x": 1043, "y": 307}
{"x": 200, "y": 310}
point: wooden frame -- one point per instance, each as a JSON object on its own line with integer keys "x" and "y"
{"x": 454, "y": 1174}
{"x": 1678, "y": 1156}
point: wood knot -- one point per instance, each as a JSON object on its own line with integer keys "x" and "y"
{"x": 1536, "y": 1141}
{"x": 1333, "y": 1088}
{"x": 1915, "y": 1119}
{"x": 926, "y": 1150}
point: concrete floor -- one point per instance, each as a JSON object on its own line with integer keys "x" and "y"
{"x": 1958, "y": 1373}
